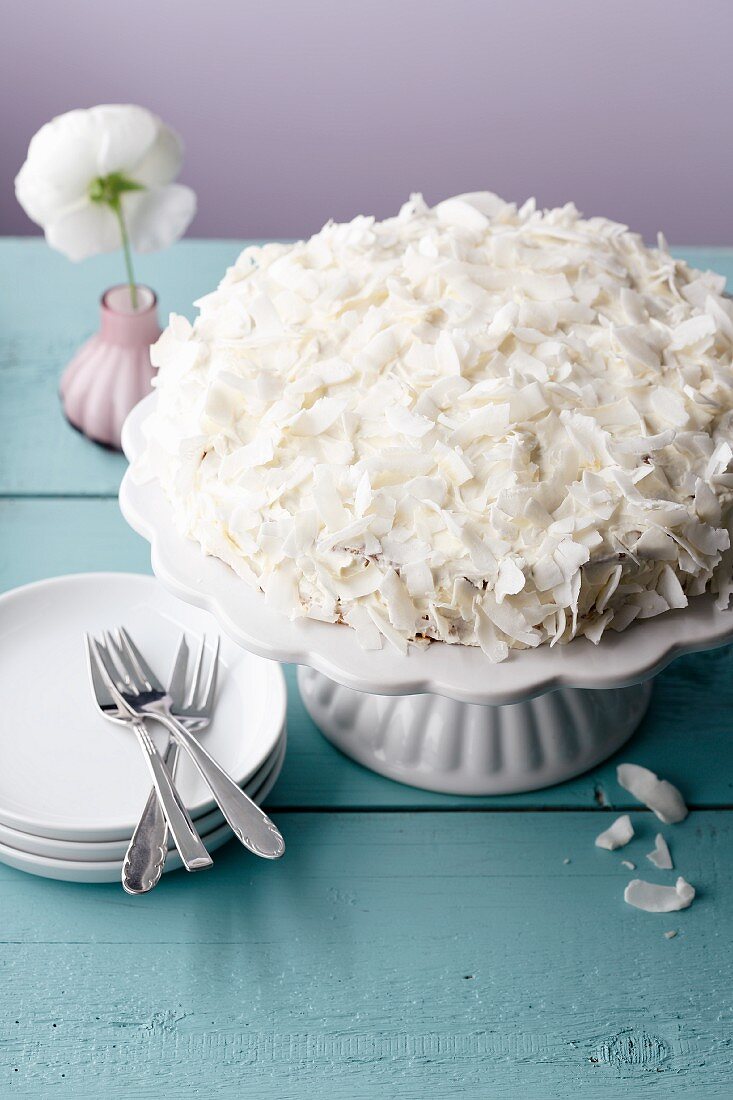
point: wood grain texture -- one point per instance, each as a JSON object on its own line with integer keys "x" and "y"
{"x": 387, "y": 955}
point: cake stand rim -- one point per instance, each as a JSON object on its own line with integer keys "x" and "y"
{"x": 456, "y": 672}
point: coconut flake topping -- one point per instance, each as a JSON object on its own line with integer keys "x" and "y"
{"x": 475, "y": 423}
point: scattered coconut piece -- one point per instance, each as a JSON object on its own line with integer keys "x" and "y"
{"x": 659, "y": 795}
{"x": 627, "y": 863}
{"x": 616, "y": 835}
{"x": 670, "y": 935}
{"x": 659, "y": 899}
{"x": 660, "y": 857}
{"x": 566, "y": 860}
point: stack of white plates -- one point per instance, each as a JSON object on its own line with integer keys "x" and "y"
{"x": 72, "y": 784}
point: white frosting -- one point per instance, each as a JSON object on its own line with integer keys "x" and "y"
{"x": 473, "y": 423}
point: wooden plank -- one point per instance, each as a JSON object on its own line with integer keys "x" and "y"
{"x": 49, "y": 306}
{"x": 46, "y": 538}
{"x": 403, "y": 955}
{"x": 686, "y": 735}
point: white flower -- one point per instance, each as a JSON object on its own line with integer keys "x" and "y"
{"x": 87, "y": 168}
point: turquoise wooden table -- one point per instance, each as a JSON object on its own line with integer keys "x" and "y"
{"x": 409, "y": 945}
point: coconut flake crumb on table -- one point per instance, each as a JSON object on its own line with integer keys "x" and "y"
{"x": 653, "y": 898}
{"x": 616, "y": 835}
{"x": 660, "y": 856}
{"x": 657, "y": 794}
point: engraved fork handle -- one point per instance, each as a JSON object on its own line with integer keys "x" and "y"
{"x": 248, "y": 822}
{"x": 139, "y": 870}
{"x": 148, "y": 847}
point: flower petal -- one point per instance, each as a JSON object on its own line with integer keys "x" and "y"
{"x": 125, "y": 133}
{"x": 84, "y": 231}
{"x": 39, "y": 199}
{"x": 158, "y": 217}
{"x": 74, "y": 148}
{"x": 162, "y": 162}
{"x": 61, "y": 162}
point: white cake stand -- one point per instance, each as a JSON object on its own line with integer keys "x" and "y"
{"x": 443, "y": 718}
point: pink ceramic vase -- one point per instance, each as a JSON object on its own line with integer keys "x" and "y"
{"x": 111, "y": 372}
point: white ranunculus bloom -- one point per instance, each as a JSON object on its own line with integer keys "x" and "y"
{"x": 92, "y": 174}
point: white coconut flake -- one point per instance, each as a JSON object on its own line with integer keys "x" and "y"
{"x": 628, "y": 864}
{"x": 319, "y": 418}
{"x": 456, "y": 212}
{"x": 670, "y": 935}
{"x": 653, "y": 898}
{"x": 407, "y": 423}
{"x": 661, "y": 857}
{"x": 446, "y": 355}
{"x": 402, "y": 612}
{"x": 657, "y": 794}
{"x": 495, "y": 648}
{"x": 369, "y": 636}
{"x": 692, "y": 332}
{"x": 390, "y": 633}
{"x": 518, "y": 416}
{"x": 616, "y": 835}
{"x": 510, "y": 580}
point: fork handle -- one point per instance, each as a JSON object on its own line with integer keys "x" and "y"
{"x": 147, "y": 851}
{"x": 247, "y": 821}
{"x": 176, "y": 817}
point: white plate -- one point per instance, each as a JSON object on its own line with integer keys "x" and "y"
{"x": 79, "y": 850}
{"x": 110, "y": 870}
{"x": 459, "y": 672}
{"x": 66, "y": 772}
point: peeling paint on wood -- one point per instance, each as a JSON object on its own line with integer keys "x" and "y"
{"x": 632, "y": 1048}
{"x": 398, "y": 955}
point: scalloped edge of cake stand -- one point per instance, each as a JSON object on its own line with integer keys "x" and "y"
{"x": 462, "y": 725}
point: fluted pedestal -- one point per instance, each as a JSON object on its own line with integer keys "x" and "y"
{"x": 461, "y": 748}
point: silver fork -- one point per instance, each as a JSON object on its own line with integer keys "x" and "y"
{"x": 148, "y": 848}
{"x": 187, "y": 840}
{"x": 141, "y": 695}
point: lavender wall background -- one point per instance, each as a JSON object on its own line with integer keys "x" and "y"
{"x": 297, "y": 111}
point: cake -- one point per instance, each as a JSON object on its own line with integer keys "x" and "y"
{"x": 473, "y": 423}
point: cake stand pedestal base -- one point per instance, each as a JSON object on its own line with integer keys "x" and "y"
{"x": 442, "y": 745}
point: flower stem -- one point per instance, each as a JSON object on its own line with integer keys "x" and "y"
{"x": 116, "y": 206}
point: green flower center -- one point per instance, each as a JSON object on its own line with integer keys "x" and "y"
{"x": 108, "y": 189}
